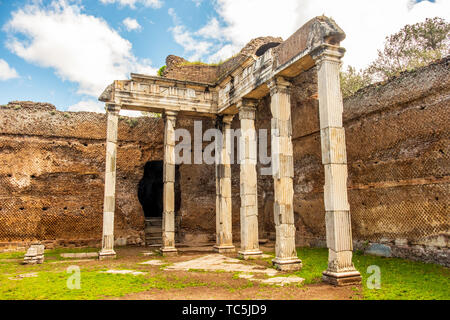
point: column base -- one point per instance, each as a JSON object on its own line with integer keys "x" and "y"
{"x": 106, "y": 255}
{"x": 342, "y": 278}
{"x": 292, "y": 264}
{"x": 224, "y": 249}
{"x": 168, "y": 251}
{"x": 250, "y": 254}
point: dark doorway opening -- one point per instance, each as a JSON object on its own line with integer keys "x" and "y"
{"x": 150, "y": 189}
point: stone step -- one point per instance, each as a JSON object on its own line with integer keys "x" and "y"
{"x": 153, "y": 238}
{"x": 153, "y": 229}
{"x": 153, "y": 223}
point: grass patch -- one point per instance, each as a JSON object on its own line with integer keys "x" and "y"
{"x": 51, "y": 283}
{"x": 400, "y": 279}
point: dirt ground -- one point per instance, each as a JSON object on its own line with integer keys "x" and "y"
{"x": 220, "y": 285}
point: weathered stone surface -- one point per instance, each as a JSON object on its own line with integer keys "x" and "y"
{"x": 34, "y": 254}
{"x": 380, "y": 250}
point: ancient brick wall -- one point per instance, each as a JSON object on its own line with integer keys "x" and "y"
{"x": 52, "y": 173}
{"x": 52, "y": 177}
{"x": 180, "y": 69}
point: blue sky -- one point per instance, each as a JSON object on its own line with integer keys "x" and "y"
{"x": 66, "y": 51}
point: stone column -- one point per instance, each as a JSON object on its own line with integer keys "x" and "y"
{"x": 248, "y": 181}
{"x": 283, "y": 173}
{"x": 168, "y": 223}
{"x": 224, "y": 237}
{"x": 341, "y": 270}
{"x": 107, "y": 251}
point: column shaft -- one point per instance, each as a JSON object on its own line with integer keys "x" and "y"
{"x": 341, "y": 270}
{"x": 168, "y": 224}
{"x": 224, "y": 237}
{"x": 110, "y": 182}
{"x": 283, "y": 174}
{"x": 248, "y": 181}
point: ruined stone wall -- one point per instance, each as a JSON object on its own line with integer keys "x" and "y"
{"x": 52, "y": 177}
{"x": 181, "y": 69}
{"x": 52, "y": 174}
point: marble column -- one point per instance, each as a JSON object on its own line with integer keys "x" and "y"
{"x": 283, "y": 173}
{"x": 224, "y": 237}
{"x": 341, "y": 270}
{"x": 168, "y": 223}
{"x": 107, "y": 251}
{"x": 248, "y": 181}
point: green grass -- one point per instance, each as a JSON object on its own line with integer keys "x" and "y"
{"x": 400, "y": 279}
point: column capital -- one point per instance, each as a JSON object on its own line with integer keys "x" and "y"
{"x": 279, "y": 85}
{"x": 247, "y": 108}
{"x": 228, "y": 119}
{"x": 112, "y": 108}
{"x": 172, "y": 115}
{"x": 328, "y": 53}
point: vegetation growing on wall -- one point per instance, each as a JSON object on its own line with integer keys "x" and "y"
{"x": 414, "y": 46}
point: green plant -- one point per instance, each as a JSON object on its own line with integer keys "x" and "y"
{"x": 161, "y": 71}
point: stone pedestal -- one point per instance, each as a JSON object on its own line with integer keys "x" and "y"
{"x": 107, "y": 251}
{"x": 168, "y": 223}
{"x": 35, "y": 254}
{"x": 224, "y": 237}
{"x": 248, "y": 181}
{"x": 341, "y": 270}
{"x": 283, "y": 172}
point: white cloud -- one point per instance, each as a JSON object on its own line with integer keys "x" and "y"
{"x": 366, "y": 23}
{"x": 195, "y": 47}
{"x": 197, "y": 2}
{"x": 80, "y": 48}
{"x": 6, "y": 72}
{"x": 155, "y": 4}
{"x": 99, "y": 107}
{"x": 131, "y": 24}
{"x": 211, "y": 30}
{"x": 87, "y": 106}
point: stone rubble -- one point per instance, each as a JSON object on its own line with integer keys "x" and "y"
{"x": 35, "y": 254}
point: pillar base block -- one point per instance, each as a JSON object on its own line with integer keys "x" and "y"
{"x": 250, "y": 254}
{"x": 224, "y": 249}
{"x": 342, "y": 278}
{"x": 106, "y": 255}
{"x": 291, "y": 264}
{"x": 168, "y": 252}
